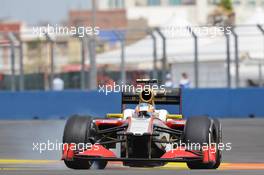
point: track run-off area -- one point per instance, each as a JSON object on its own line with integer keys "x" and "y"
{"x": 17, "y": 156}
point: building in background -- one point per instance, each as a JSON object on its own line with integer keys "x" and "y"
{"x": 106, "y": 4}
{"x": 115, "y": 17}
{"x": 5, "y": 28}
{"x": 105, "y": 19}
{"x": 157, "y": 12}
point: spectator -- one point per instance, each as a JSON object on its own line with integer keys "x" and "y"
{"x": 58, "y": 84}
{"x": 168, "y": 82}
{"x": 1, "y": 81}
{"x": 184, "y": 82}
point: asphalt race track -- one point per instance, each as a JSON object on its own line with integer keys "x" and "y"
{"x": 17, "y": 156}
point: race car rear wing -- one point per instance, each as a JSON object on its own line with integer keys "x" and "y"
{"x": 167, "y": 97}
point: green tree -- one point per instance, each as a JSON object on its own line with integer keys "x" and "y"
{"x": 227, "y": 4}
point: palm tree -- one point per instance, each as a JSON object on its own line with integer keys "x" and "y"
{"x": 226, "y": 4}
{"x": 223, "y": 14}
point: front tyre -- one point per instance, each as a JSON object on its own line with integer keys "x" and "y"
{"x": 197, "y": 131}
{"x": 77, "y": 130}
{"x": 99, "y": 164}
{"x": 219, "y": 140}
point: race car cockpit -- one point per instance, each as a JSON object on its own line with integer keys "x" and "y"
{"x": 144, "y": 110}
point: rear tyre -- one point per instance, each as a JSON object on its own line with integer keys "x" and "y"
{"x": 77, "y": 130}
{"x": 197, "y": 130}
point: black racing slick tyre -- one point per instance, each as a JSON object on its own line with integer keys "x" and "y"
{"x": 77, "y": 130}
{"x": 197, "y": 131}
{"x": 99, "y": 164}
{"x": 219, "y": 140}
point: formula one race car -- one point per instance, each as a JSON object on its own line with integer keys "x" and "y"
{"x": 143, "y": 136}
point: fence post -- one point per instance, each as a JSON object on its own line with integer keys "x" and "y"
{"x": 228, "y": 59}
{"x": 82, "y": 41}
{"x": 260, "y": 64}
{"x": 21, "y": 67}
{"x": 260, "y": 73}
{"x": 164, "y": 54}
{"x": 155, "y": 66}
{"x": 92, "y": 49}
{"x": 12, "y": 49}
{"x": 123, "y": 69}
{"x": 196, "y": 63}
{"x": 236, "y": 57}
{"x": 51, "y": 44}
{"x": 122, "y": 39}
{"x": 93, "y": 68}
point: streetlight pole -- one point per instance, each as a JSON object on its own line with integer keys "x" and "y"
{"x": 93, "y": 68}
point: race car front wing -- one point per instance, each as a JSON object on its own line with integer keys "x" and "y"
{"x": 99, "y": 152}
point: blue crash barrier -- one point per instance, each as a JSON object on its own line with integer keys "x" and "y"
{"x": 196, "y": 102}
{"x": 49, "y": 105}
{"x": 233, "y": 103}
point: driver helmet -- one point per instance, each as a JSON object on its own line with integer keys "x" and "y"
{"x": 144, "y": 110}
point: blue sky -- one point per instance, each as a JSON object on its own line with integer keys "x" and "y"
{"x": 33, "y": 11}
